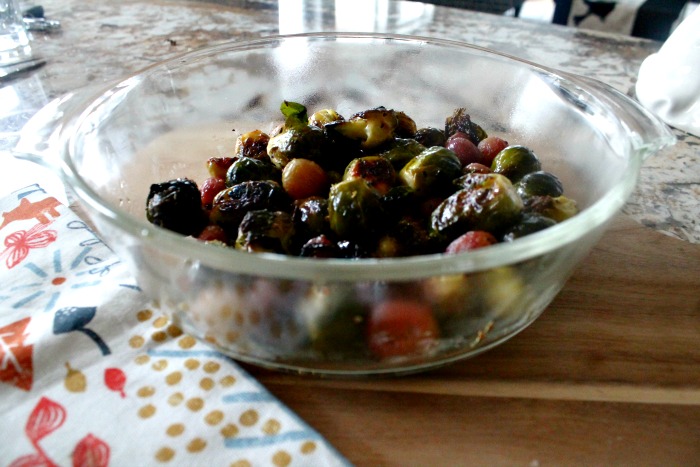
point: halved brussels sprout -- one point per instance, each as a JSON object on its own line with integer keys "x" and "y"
{"x": 376, "y": 170}
{"x": 370, "y": 129}
{"x": 558, "y": 208}
{"x": 321, "y": 118}
{"x": 265, "y": 231}
{"x": 252, "y": 144}
{"x": 489, "y": 202}
{"x": 231, "y": 205}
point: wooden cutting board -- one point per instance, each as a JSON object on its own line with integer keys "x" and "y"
{"x": 608, "y": 375}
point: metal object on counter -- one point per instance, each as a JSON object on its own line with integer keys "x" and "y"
{"x": 34, "y": 19}
{"x": 41, "y": 24}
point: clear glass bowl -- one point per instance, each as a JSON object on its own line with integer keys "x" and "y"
{"x": 309, "y": 315}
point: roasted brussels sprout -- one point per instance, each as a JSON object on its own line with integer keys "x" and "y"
{"x": 354, "y": 208}
{"x": 432, "y": 171}
{"x": 310, "y": 217}
{"x": 558, "y": 208}
{"x": 408, "y": 236}
{"x": 401, "y": 151}
{"x": 529, "y": 223}
{"x": 515, "y": 162}
{"x": 265, "y": 231}
{"x": 319, "y": 247}
{"x": 176, "y": 205}
{"x": 397, "y": 202}
{"x": 370, "y": 129}
{"x": 489, "y": 202}
{"x": 231, "y": 205}
{"x": 430, "y": 137}
{"x": 296, "y": 138}
{"x": 539, "y": 184}
{"x": 323, "y": 117}
{"x": 245, "y": 169}
{"x": 375, "y": 170}
{"x": 460, "y": 121}
{"x": 252, "y": 144}
{"x": 303, "y": 142}
{"x": 406, "y": 127}
{"x": 335, "y": 322}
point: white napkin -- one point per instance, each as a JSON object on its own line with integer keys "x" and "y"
{"x": 669, "y": 80}
{"x": 92, "y": 374}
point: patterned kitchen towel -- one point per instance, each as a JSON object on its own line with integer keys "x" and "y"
{"x": 92, "y": 375}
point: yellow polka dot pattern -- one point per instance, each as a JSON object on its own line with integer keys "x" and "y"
{"x": 184, "y": 386}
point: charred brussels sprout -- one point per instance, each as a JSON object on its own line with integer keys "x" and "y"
{"x": 319, "y": 247}
{"x": 323, "y": 117}
{"x": 411, "y": 237}
{"x": 397, "y": 202}
{"x": 432, "y": 171}
{"x": 296, "y": 138}
{"x": 539, "y": 184}
{"x": 529, "y": 223}
{"x": 252, "y": 144}
{"x": 515, "y": 162}
{"x": 265, "y": 231}
{"x": 460, "y": 121}
{"x": 310, "y": 217}
{"x": 354, "y": 208}
{"x": 370, "y": 129}
{"x": 376, "y": 170}
{"x": 406, "y": 127}
{"x": 232, "y": 204}
{"x": 402, "y": 151}
{"x": 247, "y": 169}
{"x": 176, "y": 205}
{"x": 430, "y": 137}
{"x": 558, "y": 208}
{"x": 489, "y": 202}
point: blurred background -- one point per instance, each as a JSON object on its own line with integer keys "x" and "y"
{"x": 651, "y": 19}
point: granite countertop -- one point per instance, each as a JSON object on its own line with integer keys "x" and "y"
{"x": 101, "y": 42}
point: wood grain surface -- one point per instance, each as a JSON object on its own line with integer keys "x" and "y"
{"x": 608, "y": 375}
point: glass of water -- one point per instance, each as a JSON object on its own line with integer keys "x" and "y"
{"x": 14, "y": 41}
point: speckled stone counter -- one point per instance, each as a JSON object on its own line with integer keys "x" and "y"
{"x": 101, "y": 42}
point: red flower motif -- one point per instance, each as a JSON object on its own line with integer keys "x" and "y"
{"x": 19, "y": 243}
